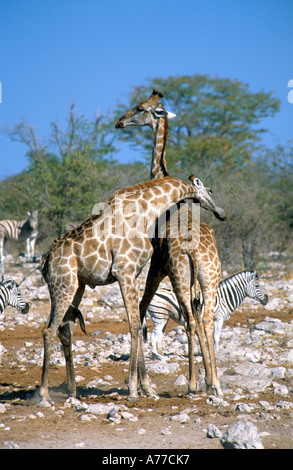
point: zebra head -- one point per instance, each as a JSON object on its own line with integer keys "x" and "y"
{"x": 15, "y": 298}
{"x": 33, "y": 220}
{"x": 254, "y": 290}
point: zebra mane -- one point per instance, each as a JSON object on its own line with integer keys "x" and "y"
{"x": 247, "y": 275}
{"x": 10, "y": 282}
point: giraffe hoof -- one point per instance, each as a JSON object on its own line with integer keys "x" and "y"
{"x": 192, "y": 389}
{"x": 132, "y": 399}
{"x": 215, "y": 390}
{"x": 152, "y": 394}
{"x": 45, "y": 403}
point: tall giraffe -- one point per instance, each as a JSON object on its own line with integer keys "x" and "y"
{"x": 110, "y": 246}
{"x": 205, "y": 262}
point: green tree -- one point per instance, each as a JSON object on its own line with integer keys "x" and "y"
{"x": 69, "y": 172}
{"x": 215, "y": 125}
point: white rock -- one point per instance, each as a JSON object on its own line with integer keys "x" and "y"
{"x": 213, "y": 431}
{"x": 180, "y": 381}
{"x": 99, "y": 408}
{"x": 241, "y": 435}
{"x": 161, "y": 367}
{"x": 181, "y": 418}
{"x": 244, "y": 407}
{"x": 280, "y": 389}
{"x": 141, "y": 431}
{"x": 2, "y": 408}
{"x": 85, "y": 418}
{"x": 166, "y": 431}
{"x": 129, "y": 416}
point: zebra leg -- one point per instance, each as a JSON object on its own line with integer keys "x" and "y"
{"x": 217, "y": 332}
{"x": 28, "y": 249}
{"x": 156, "y": 338}
{"x": 1, "y": 256}
{"x": 32, "y": 246}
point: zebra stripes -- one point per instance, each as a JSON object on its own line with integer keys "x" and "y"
{"x": 19, "y": 231}
{"x": 11, "y": 295}
{"x": 230, "y": 294}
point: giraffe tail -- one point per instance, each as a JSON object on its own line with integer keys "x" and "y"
{"x": 78, "y": 315}
{"x": 144, "y": 330}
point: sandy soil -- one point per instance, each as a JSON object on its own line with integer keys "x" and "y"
{"x": 26, "y": 426}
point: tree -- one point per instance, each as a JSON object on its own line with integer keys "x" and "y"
{"x": 217, "y": 136}
{"x": 68, "y": 173}
{"x": 215, "y": 125}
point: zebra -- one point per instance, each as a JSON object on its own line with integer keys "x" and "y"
{"x": 19, "y": 231}
{"x": 11, "y": 295}
{"x": 230, "y": 294}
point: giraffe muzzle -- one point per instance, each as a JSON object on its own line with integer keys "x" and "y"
{"x": 120, "y": 124}
{"x": 220, "y": 214}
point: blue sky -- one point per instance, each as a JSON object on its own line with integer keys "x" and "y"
{"x": 92, "y": 52}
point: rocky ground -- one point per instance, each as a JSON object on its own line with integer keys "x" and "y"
{"x": 255, "y": 366}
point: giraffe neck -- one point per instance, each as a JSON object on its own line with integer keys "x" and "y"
{"x": 159, "y": 167}
{"x": 168, "y": 191}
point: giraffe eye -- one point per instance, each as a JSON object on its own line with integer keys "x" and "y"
{"x": 140, "y": 109}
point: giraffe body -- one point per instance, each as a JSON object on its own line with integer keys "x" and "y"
{"x": 183, "y": 263}
{"x": 109, "y": 247}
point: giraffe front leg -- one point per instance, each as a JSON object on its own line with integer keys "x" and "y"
{"x": 144, "y": 379}
{"x": 47, "y": 339}
{"x": 213, "y": 386}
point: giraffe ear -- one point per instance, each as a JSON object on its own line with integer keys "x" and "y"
{"x": 170, "y": 115}
{"x": 159, "y": 112}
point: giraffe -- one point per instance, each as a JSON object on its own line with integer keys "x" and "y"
{"x": 109, "y": 247}
{"x": 201, "y": 262}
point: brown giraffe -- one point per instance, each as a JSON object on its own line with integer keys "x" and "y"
{"x": 110, "y": 246}
{"x": 202, "y": 258}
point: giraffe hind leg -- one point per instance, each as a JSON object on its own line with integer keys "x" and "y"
{"x": 137, "y": 368}
{"x": 65, "y": 333}
{"x": 61, "y": 321}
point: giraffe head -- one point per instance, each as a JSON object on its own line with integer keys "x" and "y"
{"x": 145, "y": 113}
{"x": 204, "y": 197}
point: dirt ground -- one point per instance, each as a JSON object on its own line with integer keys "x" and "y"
{"x": 25, "y": 425}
